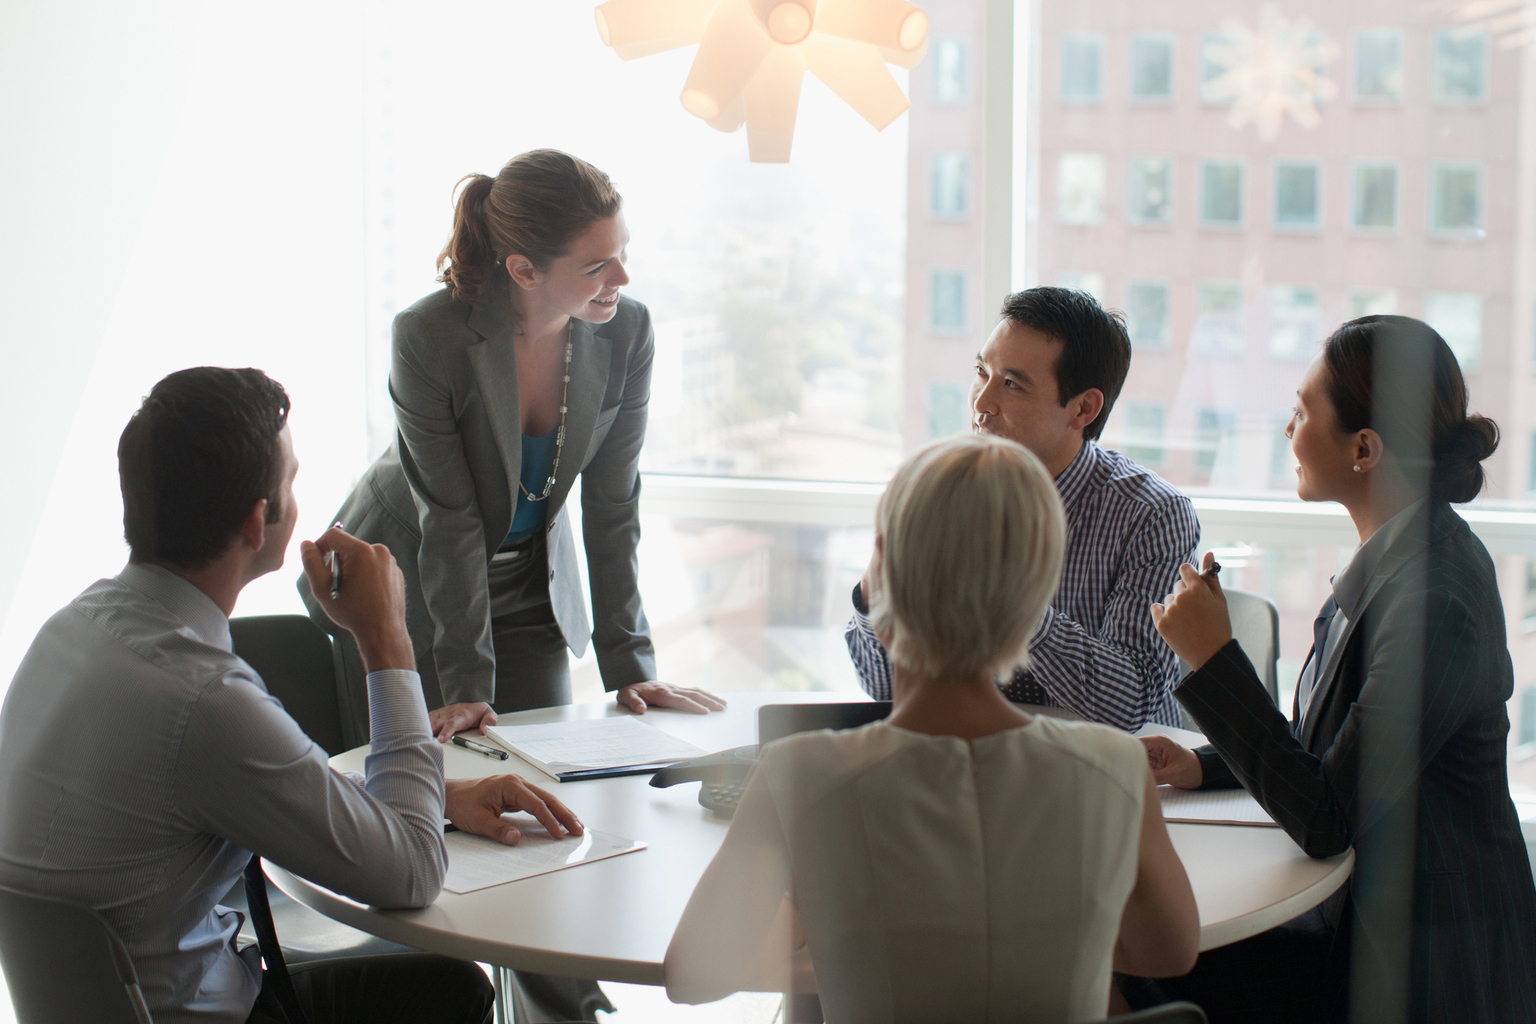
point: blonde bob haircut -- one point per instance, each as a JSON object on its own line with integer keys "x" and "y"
{"x": 973, "y": 537}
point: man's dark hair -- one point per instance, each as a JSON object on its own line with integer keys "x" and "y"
{"x": 200, "y": 452}
{"x": 1096, "y": 350}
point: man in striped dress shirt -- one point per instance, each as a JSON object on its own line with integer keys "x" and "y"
{"x": 1047, "y": 378}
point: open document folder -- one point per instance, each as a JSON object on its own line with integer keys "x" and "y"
{"x": 592, "y": 746}
{"x": 1212, "y": 807}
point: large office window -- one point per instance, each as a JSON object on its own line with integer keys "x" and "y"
{"x": 1360, "y": 302}
{"x": 1082, "y": 68}
{"x": 950, "y": 70}
{"x": 1456, "y": 200}
{"x": 1215, "y": 439}
{"x": 1374, "y": 198}
{"x": 946, "y": 300}
{"x": 1293, "y": 322}
{"x": 1146, "y": 314}
{"x": 1151, "y": 67}
{"x": 1080, "y": 188}
{"x": 1146, "y": 425}
{"x": 1219, "y": 319}
{"x": 1459, "y": 66}
{"x": 1378, "y": 65}
{"x": 1296, "y": 195}
{"x": 1149, "y": 186}
{"x": 1215, "y": 64}
{"x": 1458, "y": 316}
{"x": 1086, "y": 281}
{"x": 1221, "y": 193}
{"x": 949, "y": 193}
{"x": 948, "y": 409}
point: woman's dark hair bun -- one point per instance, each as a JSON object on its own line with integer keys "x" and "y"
{"x": 1458, "y": 472}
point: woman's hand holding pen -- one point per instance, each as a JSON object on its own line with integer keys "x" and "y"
{"x": 1193, "y": 619}
{"x": 477, "y": 806}
{"x": 371, "y": 604}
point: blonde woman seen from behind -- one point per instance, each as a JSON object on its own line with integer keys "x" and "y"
{"x": 961, "y": 860}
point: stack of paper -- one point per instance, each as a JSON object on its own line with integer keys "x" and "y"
{"x": 1212, "y": 807}
{"x": 593, "y": 746}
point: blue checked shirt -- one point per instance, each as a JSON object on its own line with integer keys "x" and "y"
{"x": 1096, "y": 652}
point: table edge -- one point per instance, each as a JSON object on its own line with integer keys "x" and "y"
{"x": 1246, "y": 926}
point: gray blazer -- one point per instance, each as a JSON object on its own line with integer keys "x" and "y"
{"x": 442, "y": 497}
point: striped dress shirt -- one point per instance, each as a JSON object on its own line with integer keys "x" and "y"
{"x": 144, "y": 762}
{"x": 1096, "y": 652}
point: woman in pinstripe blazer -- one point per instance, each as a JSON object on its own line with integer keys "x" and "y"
{"x": 1397, "y": 745}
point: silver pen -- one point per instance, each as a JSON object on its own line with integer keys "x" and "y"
{"x": 480, "y": 748}
{"x": 333, "y": 563}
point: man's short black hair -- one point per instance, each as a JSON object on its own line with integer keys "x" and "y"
{"x": 200, "y": 452}
{"x": 1096, "y": 350}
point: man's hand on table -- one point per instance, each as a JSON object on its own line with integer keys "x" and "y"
{"x": 477, "y": 806}
{"x": 638, "y": 696}
{"x": 451, "y": 719}
{"x": 1171, "y": 764}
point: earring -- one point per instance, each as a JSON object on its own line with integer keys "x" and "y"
{"x": 1359, "y": 470}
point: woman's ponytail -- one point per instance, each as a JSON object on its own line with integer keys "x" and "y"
{"x": 467, "y": 261}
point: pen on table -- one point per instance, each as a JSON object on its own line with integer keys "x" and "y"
{"x": 480, "y": 748}
{"x": 1213, "y": 571}
{"x": 333, "y": 563}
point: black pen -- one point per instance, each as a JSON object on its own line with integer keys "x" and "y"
{"x": 333, "y": 563}
{"x": 480, "y": 748}
{"x": 1212, "y": 572}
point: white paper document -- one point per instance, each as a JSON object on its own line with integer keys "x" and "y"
{"x": 475, "y": 862}
{"x": 1213, "y": 807}
{"x": 592, "y": 743}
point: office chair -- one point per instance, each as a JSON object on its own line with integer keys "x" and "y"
{"x": 294, "y": 658}
{"x": 64, "y": 965}
{"x": 1168, "y": 1013}
{"x": 1256, "y": 628}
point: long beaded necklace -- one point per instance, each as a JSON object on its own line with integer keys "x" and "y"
{"x": 549, "y": 484}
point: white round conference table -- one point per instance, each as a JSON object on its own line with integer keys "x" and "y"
{"x": 611, "y": 920}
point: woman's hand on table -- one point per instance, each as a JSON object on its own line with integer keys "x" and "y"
{"x": 1193, "y": 619}
{"x": 456, "y": 718}
{"x": 477, "y": 806}
{"x": 638, "y": 696}
{"x": 1171, "y": 764}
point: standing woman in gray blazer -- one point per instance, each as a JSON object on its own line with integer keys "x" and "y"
{"x": 526, "y": 369}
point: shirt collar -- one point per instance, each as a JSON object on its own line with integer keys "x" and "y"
{"x": 1073, "y": 480}
{"x": 1349, "y": 585}
{"x": 194, "y": 608}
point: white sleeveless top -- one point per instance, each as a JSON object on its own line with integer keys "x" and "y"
{"x": 939, "y": 879}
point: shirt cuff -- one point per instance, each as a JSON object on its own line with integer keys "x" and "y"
{"x": 1044, "y": 627}
{"x": 859, "y": 604}
{"x": 396, "y": 707}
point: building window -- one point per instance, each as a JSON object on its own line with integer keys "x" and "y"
{"x": 1221, "y": 193}
{"x": 1149, "y": 180}
{"x": 1081, "y": 68}
{"x": 949, "y": 179}
{"x": 1296, "y": 199}
{"x": 946, "y": 300}
{"x": 1375, "y": 197}
{"x": 1379, "y": 65}
{"x": 1145, "y": 425}
{"x": 1530, "y": 488}
{"x": 1458, "y": 316}
{"x": 1080, "y": 188}
{"x": 1526, "y": 734}
{"x": 1146, "y": 313}
{"x": 1219, "y": 319}
{"x": 1214, "y": 45}
{"x": 1152, "y": 68}
{"x": 1459, "y": 66}
{"x": 1293, "y": 322}
{"x": 1086, "y": 282}
{"x": 1370, "y": 302}
{"x": 1456, "y": 200}
{"x": 1528, "y": 609}
{"x": 950, "y": 60}
{"x": 948, "y": 409}
{"x": 1215, "y": 439}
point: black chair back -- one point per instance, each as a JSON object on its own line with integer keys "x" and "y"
{"x": 294, "y": 657}
{"x": 64, "y": 965}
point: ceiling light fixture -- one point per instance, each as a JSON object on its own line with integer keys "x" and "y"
{"x": 753, "y": 53}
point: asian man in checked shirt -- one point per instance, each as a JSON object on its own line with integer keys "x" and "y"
{"x": 1047, "y": 378}
{"x": 144, "y": 761}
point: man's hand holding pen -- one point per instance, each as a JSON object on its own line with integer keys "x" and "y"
{"x": 372, "y": 604}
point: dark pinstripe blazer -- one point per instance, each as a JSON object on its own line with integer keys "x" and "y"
{"x": 1415, "y": 694}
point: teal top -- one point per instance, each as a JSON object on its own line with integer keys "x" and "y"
{"x": 538, "y": 462}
